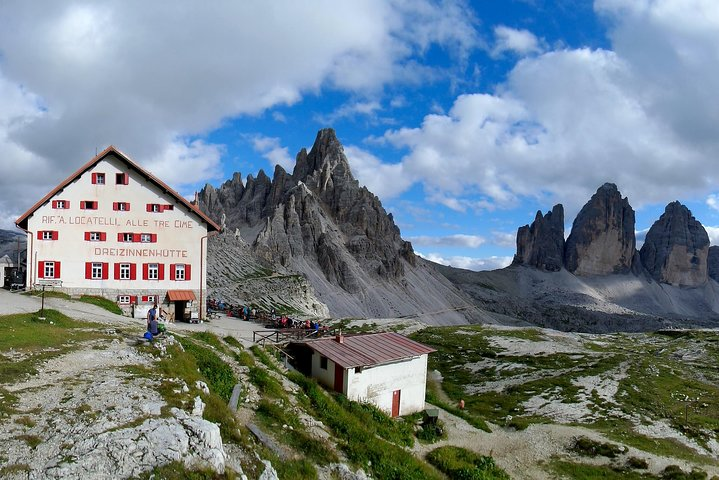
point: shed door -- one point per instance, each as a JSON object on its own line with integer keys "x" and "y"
{"x": 395, "y": 403}
{"x": 339, "y": 379}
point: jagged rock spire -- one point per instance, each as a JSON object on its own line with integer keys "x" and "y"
{"x": 541, "y": 244}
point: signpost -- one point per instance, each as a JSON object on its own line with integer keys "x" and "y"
{"x": 46, "y": 282}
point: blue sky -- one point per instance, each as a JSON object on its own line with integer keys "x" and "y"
{"x": 465, "y": 118}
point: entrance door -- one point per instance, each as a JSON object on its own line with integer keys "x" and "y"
{"x": 180, "y": 310}
{"x": 339, "y": 379}
{"x": 395, "y": 403}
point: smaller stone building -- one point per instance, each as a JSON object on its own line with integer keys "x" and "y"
{"x": 385, "y": 369}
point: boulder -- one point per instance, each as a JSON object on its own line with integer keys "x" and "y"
{"x": 541, "y": 244}
{"x": 602, "y": 239}
{"x": 676, "y": 248}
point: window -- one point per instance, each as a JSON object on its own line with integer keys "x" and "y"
{"x": 47, "y": 235}
{"x": 157, "y": 208}
{"x": 149, "y": 298}
{"x": 96, "y": 271}
{"x": 125, "y": 237}
{"x": 123, "y": 299}
{"x": 121, "y": 206}
{"x": 146, "y": 238}
{"x": 180, "y": 271}
{"x": 62, "y": 204}
{"x": 95, "y": 236}
{"x": 88, "y": 205}
{"x": 323, "y": 362}
{"x": 122, "y": 178}
{"x": 124, "y": 271}
{"x": 98, "y": 178}
{"x": 49, "y": 270}
{"x": 153, "y": 272}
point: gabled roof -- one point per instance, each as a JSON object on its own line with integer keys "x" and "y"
{"x": 22, "y": 221}
{"x": 367, "y": 350}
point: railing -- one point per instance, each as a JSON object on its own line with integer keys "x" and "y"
{"x": 286, "y": 335}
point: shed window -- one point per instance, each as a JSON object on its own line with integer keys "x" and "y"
{"x": 323, "y": 362}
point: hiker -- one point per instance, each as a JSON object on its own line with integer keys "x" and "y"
{"x": 461, "y": 404}
{"x": 151, "y": 315}
{"x": 152, "y": 327}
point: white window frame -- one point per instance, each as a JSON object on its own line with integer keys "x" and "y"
{"x": 99, "y": 178}
{"x": 128, "y": 237}
{"x": 151, "y": 299}
{"x": 61, "y": 204}
{"x": 153, "y": 271}
{"x": 49, "y": 270}
{"x": 125, "y": 299}
{"x": 124, "y": 271}
{"x": 47, "y": 235}
{"x": 180, "y": 271}
{"x": 96, "y": 271}
{"x": 95, "y": 236}
{"x": 145, "y": 237}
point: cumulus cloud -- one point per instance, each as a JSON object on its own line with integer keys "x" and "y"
{"x": 150, "y": 78}
{"x": 644, "y": 115}
{"x": 469, "y": 263}
{"x": 504, "y": 239}
{"x": 276, "y": 154}
{"x": 458, "y": 240}
{"x": 520, "y": 42}
{"x": 367, "y": 108}
{"x": 385, "y": 180}
{"x": 713, "y": 233}
{"x": 712, "y": 201}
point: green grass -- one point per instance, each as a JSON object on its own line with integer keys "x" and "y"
{"x": 102, "y": 302}
{"x": 590, "y": 448}
{"x": 32, "y": 441}
{"x": 581, "y": 471}
{"x": 220, "y": 377}
{"x": 232, "y": 341}
{"x": 461, "y": 464}
{"x": 359, "y": 439}
{"x": 178, "y": 471}
{"x": 212, "y": 340}
{"x": 48, "y": 294}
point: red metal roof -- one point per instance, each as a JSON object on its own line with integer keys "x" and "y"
{"x": 365, "y": 350}
{"x": 179, "y": 295}
{"x": 22, "y": 221}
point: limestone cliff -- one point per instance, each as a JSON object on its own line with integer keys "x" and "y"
{"x": 541, "y": 244}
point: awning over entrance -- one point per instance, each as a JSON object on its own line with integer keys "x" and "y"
{"x": 180, "y": 295}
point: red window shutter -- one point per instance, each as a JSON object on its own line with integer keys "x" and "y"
{"x": 144, "y": 298}
{"x": 135, "y": 237}
{"x": 103, "y": 236}
{"x": 172, "y": 271}
{"x": 160, "y": 271}
{"x": 94, "y": 178}
{"x": 115, "y": 206}
{"x": 145, "y": 271}
{"x": 119, "y": 237}
{"x": 149, "y": 207}
{"x": 40, "y": 269}
{"x": 88, "y": 270}
{"x": 153, "y": 237}
{"x": 57, "y": 269}
{"x": 133, "y": 271}
{"x": 125, "y": 178}
{"x": 94, "y": 205}
{"x": 39, "y": 234}
{"x": 187, "y": 272}
{"x": 117, "y": 271}
{"x": 133, "y": 299}
{"x": 55, "y": 234}
{"x": 87, "y": 236}
{"x": 127, "y": 206}
{"x": 105, "y": 271}
{"x": 54, "y": 204}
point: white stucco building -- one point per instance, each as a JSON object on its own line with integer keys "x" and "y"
{"x": 385, "y": 369}
{"x": 114, "y": 230}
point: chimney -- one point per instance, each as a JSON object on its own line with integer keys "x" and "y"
{"x": 339, "y": 338}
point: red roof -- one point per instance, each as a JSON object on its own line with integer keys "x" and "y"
{"x": 22, "y": 221}
{"x": 368, "y": 349}
{"x": 179, "y": 295}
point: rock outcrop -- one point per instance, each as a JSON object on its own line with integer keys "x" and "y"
{"x": 713, "y": 263}
{"x": 676, "y": 248}
{"x": 602, "y": 240}
{"x": 541, "y": 244}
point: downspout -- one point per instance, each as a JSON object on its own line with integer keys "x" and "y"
{"x": 202, "y": 270}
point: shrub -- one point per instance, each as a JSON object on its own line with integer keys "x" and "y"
{"x": 590, "y": 448}
{"x": 461, "y": 464}
{"x": 637, "y": 463}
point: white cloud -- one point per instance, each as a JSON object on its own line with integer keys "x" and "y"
{"x": 350, "y": 110}
{"x": 146, "y": 77}
{"x": 713, "y": 233}
{"x": 270, "y": 148}
{"x": 457, "y": 240}
{"x": 385, "y": 180}
{"x": 504, "y": 239}
{"x": 520, "y": 42}
{"x": 469, "y": 263}
{"x": 644, "y": 116}
{"x": 712, "y": 201}
{"x": 279, "y": 117}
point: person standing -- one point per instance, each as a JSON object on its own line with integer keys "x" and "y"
{"x": 151, "y": 315}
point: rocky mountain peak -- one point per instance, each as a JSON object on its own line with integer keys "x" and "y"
{"x": 326, "y": 155}
{"x": 602, "y": 239}
{"x": 541, "y": 244}
{"x": 676, "y": 248}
